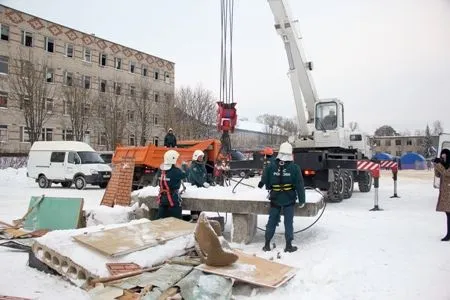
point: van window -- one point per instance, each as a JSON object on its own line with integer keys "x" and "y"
{"x": 57, "y": 157}
{"x": 90, "y": 157}
{"x": 71, "y": 158}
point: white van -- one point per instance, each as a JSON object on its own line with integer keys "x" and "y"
{"x": 67, "y": 162}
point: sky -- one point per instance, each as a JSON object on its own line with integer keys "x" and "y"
{"x": 387, "y": 60}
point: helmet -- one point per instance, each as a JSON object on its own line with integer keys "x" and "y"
{"x": 267, "y": 151}
{"x": 285, "y": 152}
{"x": 171, "y": 157}
{"x": 197, "y": 154}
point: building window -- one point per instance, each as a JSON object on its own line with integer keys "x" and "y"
{"x": 377, "y": 142}
{"x": 409, "y": 142}
{"x": 87, "y": 54}
{"x": 69, "y": 50}
{"x": 166, "y": 77}
{"x": 24, "y": 102}
{"x": 87, "y": 109}
{"x": 156, "y": 75}
{"x": 398, "y": 153}
{"x": 130, "y": 114}
{"x": 132, "y": 91}
{"x": 27, "y": 38}
{"x": 3, "y": 133}
{"x": 67, "y": 107}
{"x": 87, "y": 82}
{"x": 49, "y": 76}
{"x": 24, "y": 134}
{"x": 155, "y": 119}
{"x": 131, "y": 140}
{"x": 4, "y": 99}
{"x": 144, "y": 71}
{"x": 398, "y": 142}
{"x": 4, "y": 64}
{"x": 156, "y": 97}
{"x": 48, "y": 105}
{"x": 387, "y": 142}
{"x": 103, "y": 86}
{"x": 49, "y": 44}
{"x": 155, "y": 141}
{"x": 5, "y": 32}
{"x": 68, "y": 78}
{"x": 102, "y": 59}
{"x": 118, "y": 63}
{"x": 117, "y": 88}
{"x": 145, "y": 94}
{"x": 67, "y": 135}
{"x": 132, "y": 66}
{"x": 47, "y": 134}
{"x": 102, "y": 139}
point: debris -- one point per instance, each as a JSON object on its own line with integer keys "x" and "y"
{"x": 12, "y": 233}
{"x": 210, "y": 246}
{"x": 198, "y": 285}
{"x": 123, "y": 275}
{"x": 101, "y": 292}
{"x": 254, "y": 270}
{"x": 119, "y": 186}
{"x": 52, "y": 213}
{"x": 12, "y": 298}
{"x": 32, "y": 206}
{"x": 23, "y": 245}
{"x": 186, "y": 261}
{"x": 121, "y": 268}
{"x": 127, "y": 239}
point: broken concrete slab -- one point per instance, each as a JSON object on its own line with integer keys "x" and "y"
{"x": 198, "y": 285}
{"x": 244, "y": 228}
{"x": 127, "y": 239}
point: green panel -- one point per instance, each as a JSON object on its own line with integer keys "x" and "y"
{"x": 53, "y": 213}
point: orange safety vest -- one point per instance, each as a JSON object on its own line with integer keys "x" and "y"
{"x": 164, "y": 188}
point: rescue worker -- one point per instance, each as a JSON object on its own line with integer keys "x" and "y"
{"x": 197, "y": 171}
{"x": 284, "y": 180}
{"x": 170, "y": 141}
{"x": 169, "y": 179}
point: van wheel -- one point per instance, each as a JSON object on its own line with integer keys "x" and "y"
{"x": 80, "y": 182}
{"x": 43, "y": 182}
{"x": 66, "y": 184}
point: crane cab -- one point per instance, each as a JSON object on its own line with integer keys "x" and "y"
{"x": 329, "y": 129}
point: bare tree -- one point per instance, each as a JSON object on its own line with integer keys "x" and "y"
{"x": 77, "y": 96}
{"x": 437, "y": 127}
{"x": 111, "y": 116}
{"x": 144, "y": 108}
{"x": 29, "y": 89}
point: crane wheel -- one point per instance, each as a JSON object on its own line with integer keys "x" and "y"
{"x": 336, "y": 190}
{"x": 349, "y": 183}
{"x": 365, "y": 182}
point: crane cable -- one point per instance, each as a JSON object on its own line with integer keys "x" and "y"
{"x": 226, "y": 64}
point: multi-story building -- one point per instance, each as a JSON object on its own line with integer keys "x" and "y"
{"x": 399, "y": 145}
{"x": 84, "y": 87}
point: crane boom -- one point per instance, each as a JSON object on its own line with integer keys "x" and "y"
{"x": 305, "y": 95}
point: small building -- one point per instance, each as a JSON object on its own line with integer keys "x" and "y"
{"x": 413, "y": 161}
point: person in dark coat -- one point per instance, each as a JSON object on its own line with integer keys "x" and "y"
{"x": 284, "y": 180}
{"x": 441, "y": 170}
{"x": 170, "y": 140}
{"x": 169, "y": 178}
{"x": 268, "y": 159}
{"x": 197, "y": 174}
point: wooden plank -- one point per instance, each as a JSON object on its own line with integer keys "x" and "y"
{"x": 232, "y": 206}
{"x": 254, "y": 270}
{"x": 128, "y": 239}
{"x": 121, "y": 268}
{"x": 54, "y": 213}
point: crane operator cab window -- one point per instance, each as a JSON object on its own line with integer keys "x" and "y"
{"x": 327, "y": 116}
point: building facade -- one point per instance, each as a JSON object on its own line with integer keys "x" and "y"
{"x": 399, "y": 145}
{"x": 91, "y": 89}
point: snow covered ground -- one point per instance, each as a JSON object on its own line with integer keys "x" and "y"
{"x": 351, "y": 253}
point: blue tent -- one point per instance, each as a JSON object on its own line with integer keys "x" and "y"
{"x": 382, "y": 156}
{"x": 413, "y": 161}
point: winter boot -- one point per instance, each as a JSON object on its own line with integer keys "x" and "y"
{"x": 266, "y": 246}
{"x": 290, "y": 248}
{"x": 446, "y": 238}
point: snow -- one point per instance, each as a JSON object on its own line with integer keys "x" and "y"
{"x": 61, "y": 241}
{"x": 243, "y": 192}
{"x": 104, "y": 215}
{"x": 351, "y": 253}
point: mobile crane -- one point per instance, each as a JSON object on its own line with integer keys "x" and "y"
{"x": 323, "y": 149}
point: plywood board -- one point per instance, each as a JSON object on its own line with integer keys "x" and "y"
{"x": 254, "y": 270}
{"x": 54, "y": 213}
{"x": 128, "y": 239}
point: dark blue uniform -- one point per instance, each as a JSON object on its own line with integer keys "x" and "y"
{"x": 169, "y": 198}
{"x": 285, "y": 182}
{"x": 197, "y": 173}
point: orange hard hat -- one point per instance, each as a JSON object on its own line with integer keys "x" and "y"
{"x": 268, "y": 151}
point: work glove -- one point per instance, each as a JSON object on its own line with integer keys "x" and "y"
{"x": 437, "y": 160}
{"x": 260, "y": 184}
{"x": 301, "y": 205}
{"x": 206, "y": 185}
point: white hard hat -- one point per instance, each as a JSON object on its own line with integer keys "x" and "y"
{"x": 171, "y": 157}
{"x": 285, "y": 152}
{"x": 197, "y": 154}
